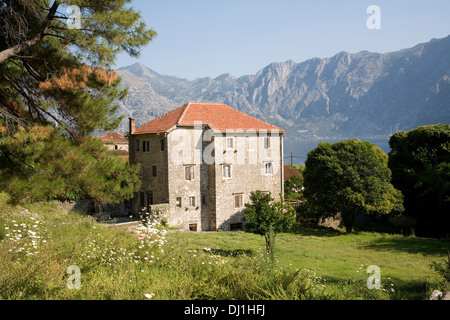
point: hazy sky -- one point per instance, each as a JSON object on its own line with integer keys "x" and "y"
{"x": 199, "y": 38}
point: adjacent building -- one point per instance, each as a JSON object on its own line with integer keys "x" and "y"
{"x": 116, "y": 142}
{"x": 204, "y": 160}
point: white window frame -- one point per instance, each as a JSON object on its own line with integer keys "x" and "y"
{"x": 228, "y": 144}
{"x": 191, "y": 175}
{"x": 268, "y": 168}
{"x": 230, "y": 173}
{"x": 192, "y": 201}
{"x": 240, "y": 203}
{"x": 267, "y": 142}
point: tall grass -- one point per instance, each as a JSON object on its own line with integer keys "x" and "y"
{"x": 37, "y": 245}
{"x": 39, "y": 242}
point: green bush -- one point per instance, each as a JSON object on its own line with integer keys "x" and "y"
{"x": 443, "y": 269}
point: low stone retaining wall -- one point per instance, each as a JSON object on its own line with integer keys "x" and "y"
{"x": 83, "y": 206}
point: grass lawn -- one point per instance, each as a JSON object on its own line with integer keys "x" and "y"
{"x": 39, "y": 242}
{"x": 339, "y": 257}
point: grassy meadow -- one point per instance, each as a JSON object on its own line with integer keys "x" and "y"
{"x": 38, "y": 243}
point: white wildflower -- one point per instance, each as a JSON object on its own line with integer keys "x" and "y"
{"x": 149, "y": 295}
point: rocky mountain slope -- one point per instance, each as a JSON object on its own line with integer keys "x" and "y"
{"x": 348, "y": 95}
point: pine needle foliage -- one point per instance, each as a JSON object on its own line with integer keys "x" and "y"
{"x": 56, "y": 88}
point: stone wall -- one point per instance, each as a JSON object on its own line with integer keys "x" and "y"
{"x": 212, "y": 193}
{"x": 185, "y": 150}
{"x": 247, "y": 175}
{"x": 153, "y": 172}
{"x": 82, "y": 206}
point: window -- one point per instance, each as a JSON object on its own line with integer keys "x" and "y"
{"x": 141, "y": 200}
{"x": 266, "y": 142}
{"x": 268, "y": 168}
{"x": 189, "y": 172}
{"x": 162, "y": 144}
{"x": 192, "y": 201}
{"x": 238, "y": 200}
{"x": 116, "y": 147}
{"x": 193, "y": 227}
{"x": 203, "y": 199}
{"x": 178, "y": 202}
{"x": 226, "y": 171}
{"x": 145, "y": 146}
{"x": 149, "y": 198}
{"x": 230, "y": 143}
{"x": 155, "y": 171}
{"x": 137, "y": 144}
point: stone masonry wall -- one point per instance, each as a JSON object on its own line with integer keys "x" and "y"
{"x": 184, "y": 145}
{"x": 152, "y": 186}
{"x": 214, "y": 206}
{"x": 247, "y": 175}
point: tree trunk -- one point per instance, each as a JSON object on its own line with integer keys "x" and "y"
{"x": 8, "y": 53}
{"x": 270, "y": 245}
{"x": 348, "y": 222}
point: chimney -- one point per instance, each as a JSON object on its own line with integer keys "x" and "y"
{"x": 132, "y": 126}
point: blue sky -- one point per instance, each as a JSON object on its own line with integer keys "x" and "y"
{"x": 200, "y": 38}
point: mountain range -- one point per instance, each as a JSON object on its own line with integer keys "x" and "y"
{"x": 361, "y": 95}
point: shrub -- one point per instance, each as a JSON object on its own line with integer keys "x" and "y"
{"x": 443, "y": 269}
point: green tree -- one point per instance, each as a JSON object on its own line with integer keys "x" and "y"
{"x": 420, "y": 164}
{"x": 351, "y": 178}
{"x": 300, "y": 169}
{"x": 56, "y": 88}
{"x": 293, "y": 188}
{"x": 267, "y": 218}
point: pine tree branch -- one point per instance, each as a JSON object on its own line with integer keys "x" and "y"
{"x": 8, "y": 155}
{"x": 32, "y": 103}
{"x": 31, "y": 71}
{"x": 14, "y": 50}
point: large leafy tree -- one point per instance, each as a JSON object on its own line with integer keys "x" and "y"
{"x": 293, "y": 188}
{"x": 56, "y": 88}
{"x": 420, "y": 164}
{"x": 351, "y": 178}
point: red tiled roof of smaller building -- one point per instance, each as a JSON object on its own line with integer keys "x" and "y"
{"x": 113, "y": 137}
{"x": 217, "y": 116}
{"x": 289, "y": 172}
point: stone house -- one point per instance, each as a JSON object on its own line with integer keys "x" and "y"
{"x": 115, "y": 141}
{"x": 203, "y": 160}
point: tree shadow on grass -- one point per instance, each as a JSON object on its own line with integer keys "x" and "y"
{"x": 314, "y": 230}
{"x": 356, "y": 288}
{"x": 232, "y": 253}
{"x": 409, "y": 245}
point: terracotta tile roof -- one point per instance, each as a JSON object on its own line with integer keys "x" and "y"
{"x": 217, "y": 116}
{"x": 114, "y": 137}
{"x": 289, "y": 172}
